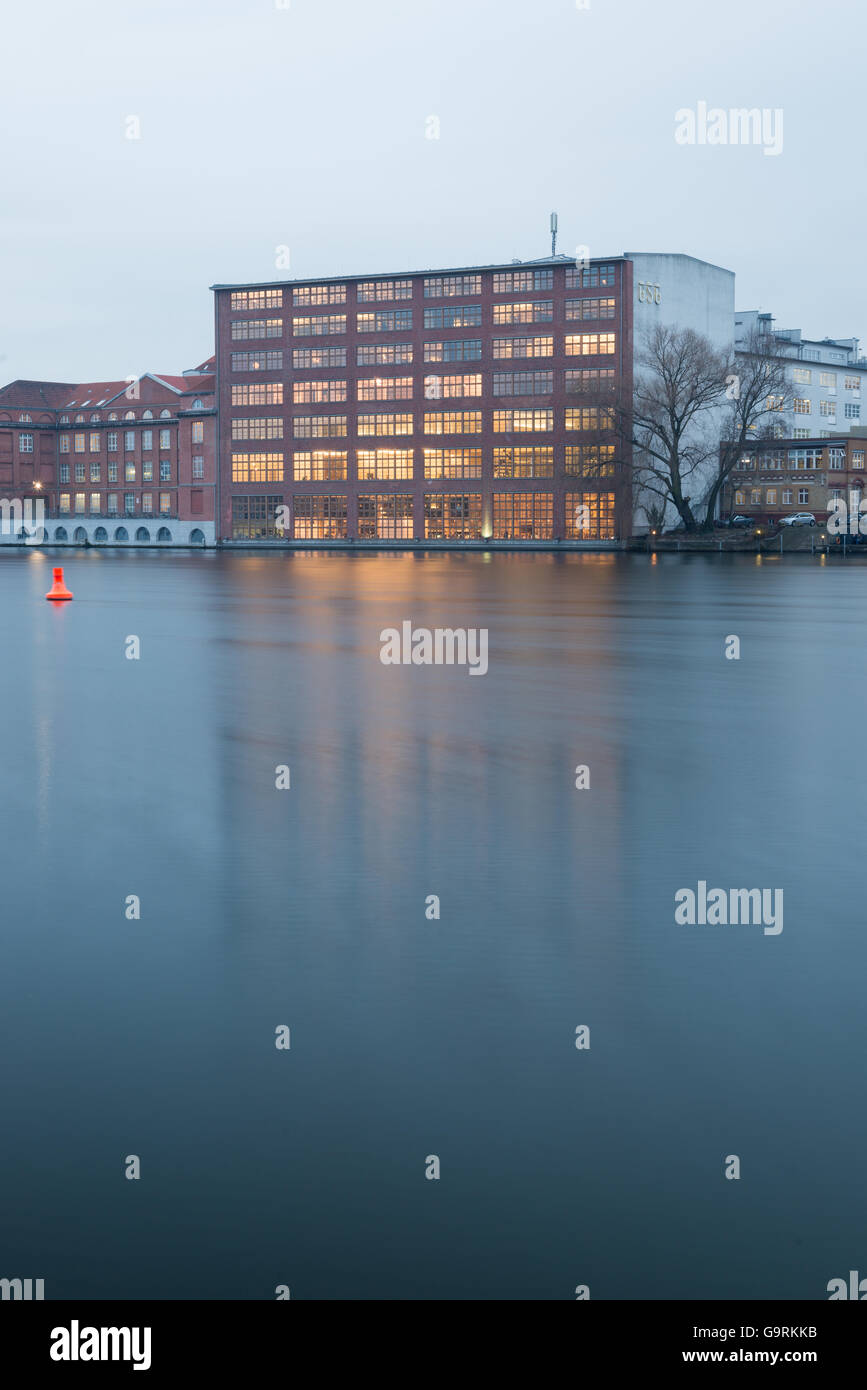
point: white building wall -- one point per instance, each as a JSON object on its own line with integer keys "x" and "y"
{"x": 837, "y": 379}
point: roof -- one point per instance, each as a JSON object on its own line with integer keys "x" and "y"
{"x": 94, "y": 395}
{"x": 408, "y": 274}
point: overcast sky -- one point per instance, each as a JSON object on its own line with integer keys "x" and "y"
{"x": 307, "y": 126}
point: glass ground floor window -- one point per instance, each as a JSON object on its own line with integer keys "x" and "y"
{"x": 590, "y": 516}
{"x": 453, "y": 516}
{"x": 385, "y": 516}
{"x": 523, "y": 516}
{"x": 255, "y": 518}
{"x": 319, "y": 518}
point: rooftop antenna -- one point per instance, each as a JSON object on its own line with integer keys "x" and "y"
{"x": 553, "y": 234}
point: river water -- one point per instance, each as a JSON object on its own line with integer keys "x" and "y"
{"x": 414, "y": 1036}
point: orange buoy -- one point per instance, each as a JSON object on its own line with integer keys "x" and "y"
{"x": 58, "y": 589}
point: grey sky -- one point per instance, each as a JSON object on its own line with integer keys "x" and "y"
{"x": 305, "y": 127}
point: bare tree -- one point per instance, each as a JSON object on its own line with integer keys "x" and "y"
{"x": 756, "y": 391}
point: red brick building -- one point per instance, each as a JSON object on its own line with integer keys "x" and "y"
{"x": 114, "y": 462}
{"x": 448, "y": 405}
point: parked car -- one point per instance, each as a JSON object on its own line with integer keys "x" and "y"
{"x": 798, "y": 519}
{"x": 739, "y": 520}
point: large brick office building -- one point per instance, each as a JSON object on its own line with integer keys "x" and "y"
{"x": 427, "y": 406}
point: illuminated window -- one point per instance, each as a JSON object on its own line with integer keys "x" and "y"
{"x": 828, "y": 379}
{"x": 244, "y": 329}
{"x": 385, "y": 388}
{"x": 266, "y": 393}
{"x": 452, "y": 463}
{"x": 370, "y": 291}
{"x": 94, "y": 502}
{"x": 95, "y": 471}
{"x": 319, "y": 465}
{"x": 385, "y": 516}
{"x": 271, "y": 360}
{"x": 852, "y": 383}
{"x": 385, "y": 321}
{"x": 257, "y": 299}
{"x": 112, "y": 470}
{"x": 589, "y": 277}
{"x": 318, "y": 357}
{"x": 828, "y": 409}
{"x": 523, "y": 281}
{"x": 590, "y": 308}
{"x": 383, "y": 354}
{"x": 506, "y": 420}
{"x": 255, "y": 518}
{"x": 318, "y": 392}
{"x": 802, "y": 375}
{"x": 384, "y": 464}
{"x": 319, "y": 326}
{"x": 801, "y": 405}
{"x": 453, "y": 422}
{"x": 319, "y": 426}
{"x": 81, "y": 501}
{"x": 857, "y": 458}
{"x": 523, "y": 516}
{"x": 771, "y": 497}
{"x": 590, "y": 460}
{"x": 741, "y": 498}
{"x": 64, "y": 504}
{"x": 449, "y": 387}
{"x": 449, "y": 286}
{"x": 147, "y": 471}
{"x": 197, "y": 434}
{"x": 455, "y": 516}
{"x": 259, "y": 427}
{"x": 94, "y": 442}
{"x": 458, "y": 350}
{"x": 523, "y": 347}
{"x": 534, "y": 462}
{"x": 319, "y": 518}
{"x": 525, "y": 311}
{"x": 310, "y": 296}
{"x": 165, "y": 504}
{"x": 523, "y": 383}
{"x": 588, "y": 344}
{"x": 257, "y": 468}
{"x": 64, "y": 443}
{"x": 79, "y": 443}
{"x": 384, "y": 424}
{"x": 457, "y": 316}
{"x": 590, "y": 516}
{"x": 129, "y": 472}
{"x": 588, "y": 418}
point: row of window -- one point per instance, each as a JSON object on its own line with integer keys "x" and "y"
{"x": 322, "y": 391}
{"x": 133, "y": 504}
{"x": 459, "y": 316}
{"x": 574, "y": 345}
{"x": 446, "y": 516}
{"x": 799, "y": 459}
{"x": 435, "y": 287}
{"x": 83, "y": 473}
{"x": 754, "y": 498}
{"x": 324, "y": 465}
{"x": 803, "y": 376}
{"x": 828, "y": 409}
{"x": 534, "y": 421}
{"x": 449, "y": 350}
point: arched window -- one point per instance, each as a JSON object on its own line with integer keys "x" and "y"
{"x": 94, "y": 417}
{"x": 79, "y": 419}
{"x": 165, "y": 415}
{"x": 142, "y": 534}
{"x": 64, "y": 419}
{"x": 121, "y": 534}
{"x": 130, "y": 415}
{"x": 112, "y": 416}
{"x": 197, "y": 404}
{"x": 164, "y": 535}
{"x": 25, "y": 419}
{"x": 147, "y": 415}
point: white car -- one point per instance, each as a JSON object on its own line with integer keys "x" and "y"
{"x": 798, "y": 519}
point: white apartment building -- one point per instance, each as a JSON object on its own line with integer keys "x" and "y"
{"x": 828, "y": 378}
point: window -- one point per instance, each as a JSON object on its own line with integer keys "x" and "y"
{"x": 506, "y": 420}
{"x": 270, "y": 360}
{"x": 64, "y": 443}
{"x": 25, "y": 419}
{"x": 523, "y": 281}
{"x": 64, "y": 473}
{"x": 590, "y": 308}
{"x": 534, "y": 462}
{"x": 266, "y": 393}
{"x": 787, "y": 497}
{"x": 740, "y": 498}
{"x": 94, "y": 502}
{"x": 586, "y": 344}
{"x": 165, "y": 503}
{"x": 590, "y": 516}
{"x": 384, "y": 424}
{"x": 318, "y": 392}
{"x": 450, "y": 286}
{"x": 310, "y": 296}
{"x": 857, "y": 458}
{"x": 828, "y": 379}
{"x": 111, "y": 506}
{"x": 64, "y": 504}
{"x": 581, "y": 379}
{"x": 319, "y": 466}
{"x": 147, "y": 471}
{"x": 257, "y": 468}
{"x": 319, "y": 326}
{"x": 147, "y": 441}
{"x": 525, "y": 311}
{"x": 318, "y": 357}
{"x": 147, "y": 504}
{"x": 588, "y": 418}
{"x": 385, "y": 388}
{"x": 197, "y": 436}
{"x": 455, "y": 516}
{"x": 801, "y": 405}
{"x": 803, "y": 495}
{"x": 802, "y": 375}
{"x": 81, "y": 502}
{"x": 245, "y": 329}
{"x": 198, "y": 466}
{"x": 383, "y": 354}
{"x": 165, "y": 470}
{"x": 452, "y": 463}
{"x": 257, "y": 299}
{"x": 385, "y": 516}
{"x": 319, "y": 426}
{"x": 523, "y": 347}
{"x": 770, "y": 497}
{"x": 458, "y": 350}
{"x": 129, "y": 472}
{"x": 370, "y": 291}
{"x": 129, "y": 503}
{"x": 453, "y": 422}
{"x": 111, "y": 442}
{"x": 384, "y": 463}
{"x": 25, "y": 443}
{"x": 837, "y": 458}
{"x": 852, "y": 412}
{"x": 523, "y": 383}
{"x": 80, "y": 474}
{"x": 805, "y": 458}
{"x": 147, "y": 415}
{"x": 112, "y": 470}
{"x": 255, "y": 518}
{"x": 79, "y": 419}
{"x": 259, "y": 427}
{"x": 828, "y": 409}
{"x": 64, "y": 419}
{"x": 385, "y": 321}
{"x": 94, "y": 472}
{"x": 852, "y": 383}
{"x": 525, "y": 516}
{"x": 79, "y": 443}
{"x": 801, "y": 434}
{"x": 129, "y": 441}
{"x": 456, "y": 316}
{"x": 448, "y": 387}
{"x": 197, "y": 404}
{"x": 590, "y": 460}
{"x": 319, "y": 518}
{"x": 589, "y": 277}
{"x": 756, "y": 497}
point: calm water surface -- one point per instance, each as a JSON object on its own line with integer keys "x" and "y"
{"x": 410, "y": 1037}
